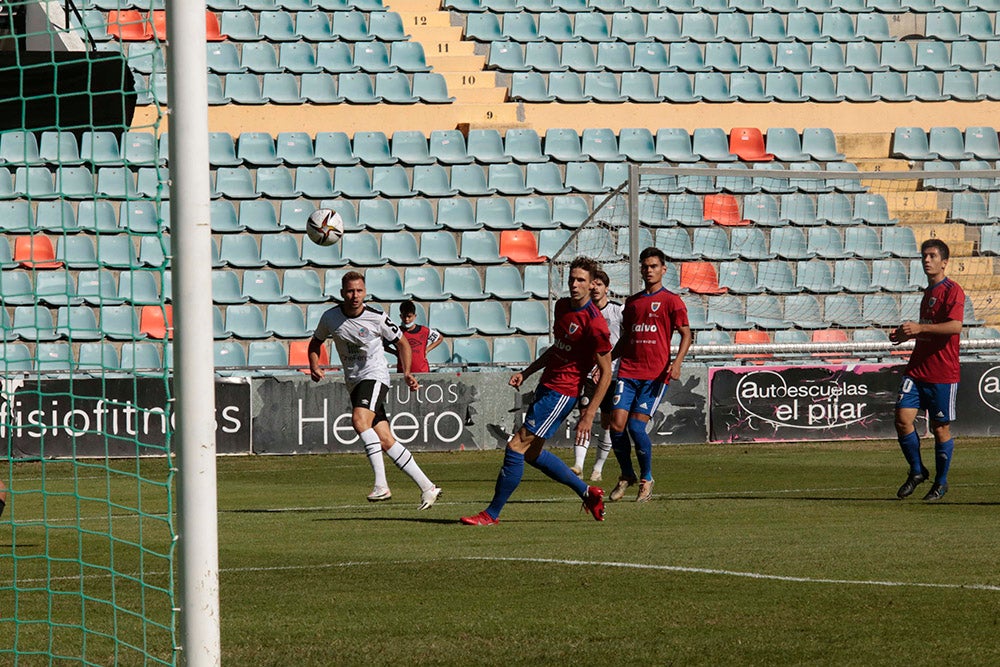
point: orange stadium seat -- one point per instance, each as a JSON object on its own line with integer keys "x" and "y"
{"x": 753, "y": 337}
{"x": 520, "y": 247}
{"x": 701, "y": 278}
{"x": 35, "y": 252}
{"x": 157, "y": 321}
{"x": 723, "y": 209}
{"x": 298, "y": 355}
{"x": 748, "y": 143}
{"x": 129, "y": 25}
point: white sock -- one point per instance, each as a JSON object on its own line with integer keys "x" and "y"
{"x": 403, "y": 459}
{"x": 373, "y": 448}
{"x": 579, "y": 455}
{"x": 603, "y": 449}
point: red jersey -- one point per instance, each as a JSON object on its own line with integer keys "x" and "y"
{"x": 935, "y": 357}
{"x": 648, "y": 323}
{"x": 419, "y": 338}
{"x": 579, "y": 336}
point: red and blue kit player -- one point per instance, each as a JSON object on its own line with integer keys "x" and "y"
{"x": 649, "y": 321}
{"x": 930, "y": 380}
{"x": 580, "y": 339}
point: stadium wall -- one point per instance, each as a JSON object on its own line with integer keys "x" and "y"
{"x": 457, "y": 411}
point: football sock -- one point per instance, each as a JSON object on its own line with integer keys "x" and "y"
{"x": 643, "y": 447}
{"x": 554, "y": 467}
{"x": 603, "y": 449}
{"x": 942, "y": 457}
{"x": 403, "y": 459}
{"x": 579, "y": 456}
{"x": 508, "y": 479}
{"x": 910, "y": 444}
{"x": 373, "y": 448}
{"x": 620, "y": 445}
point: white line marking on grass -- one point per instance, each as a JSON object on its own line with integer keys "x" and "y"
{"x": 576, "y": 563}
{"x": 736, "y": 573}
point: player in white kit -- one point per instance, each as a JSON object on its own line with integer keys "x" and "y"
{"x": 612, "y": 312}
{"x": 358, "y": 332}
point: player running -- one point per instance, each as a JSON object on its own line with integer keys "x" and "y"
{"x": 358, "y": 332}
{"x": 930, "y": 380}
{"x": 580, "y": 338}
{"x": 612, "y": 312}
{"x": 649, "y": 320}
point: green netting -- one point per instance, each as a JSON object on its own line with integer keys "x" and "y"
{"x": 87, "y": 538}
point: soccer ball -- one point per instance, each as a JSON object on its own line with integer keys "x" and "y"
{"x": 325, "y": 226}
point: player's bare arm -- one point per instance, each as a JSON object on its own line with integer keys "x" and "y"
{"x": 406, "y": 358}
{"x": 909, "y": 330}
{"x": 682, "y": 350}
{"x": 517, "y": 379}
{"x": 315, "y": 372}
{"x": 587, "y": 415}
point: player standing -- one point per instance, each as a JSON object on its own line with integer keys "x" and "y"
{"x": 421, "y": 339}
{"x": 645, "y": 370}
{"x": 930, "y": 380}
{"x": 612, "y": 312}
{"x": 580, "y": 338}
{"x": 358, "y": 332}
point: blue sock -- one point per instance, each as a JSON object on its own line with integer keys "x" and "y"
{"x": 621, "y": 446}
{"x": 508, "y": 479}
{"x": 910, "y": 444}
{"x": 942, "y": 456}
{"x": 643, "y": 447}
{"x": 554, "y": 467}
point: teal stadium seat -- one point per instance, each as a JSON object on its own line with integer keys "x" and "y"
{"x": 863, "y": 242}
{"x": 457, "y": 214}
{"x": 471, "y": 180}
{"x": 226, "y": 288}
{"x": 852, "y": 275}
{"x": 488, "y": 318}
{"x": 286, "y": 321}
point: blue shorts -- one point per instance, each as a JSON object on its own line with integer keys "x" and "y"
{"x": 639, "y": 396}
{"x": 547, "y": 412}
{"x": 937, "y": 398}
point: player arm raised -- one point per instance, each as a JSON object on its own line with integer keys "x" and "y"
{"x": 682, "y": 350}
{"x": 517, "y": 379}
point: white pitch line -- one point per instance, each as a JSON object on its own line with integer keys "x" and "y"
{"x": 579, "y": 563}
{"x": 736, "y": 573}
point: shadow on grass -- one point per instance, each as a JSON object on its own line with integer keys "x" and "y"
{"x": 840, "y": 499}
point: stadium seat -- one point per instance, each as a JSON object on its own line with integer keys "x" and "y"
{"x": 157, "y": 321}
{"x": 872, "y": 209}
{"x": 843, "y": 310}
{"x": 35, "y": 252}
{"x": 863, "y": 242}
{"x": 240, "y": 251}
{"x": 701, "y": 278}
{"x": 512, "y": 352}
{"x": 765, "y": 311}
{"x": 488, "y": 318}
{"x": 805, "y": 311}
{"x": 226, "y": 288}
{"x": 777, "y": 278}
{"x": 138, "y": 288}
{"x": 449, "y": 318}
{"x": 491, "y": 213}
{"x": 890, "y": 275}
{"x": 246, "y": 321}
{"x": 262, "y": 287}
{"x": 924, "y": 86}
{"x": 463, "y": 283}
{"x": 853, "y": 276}
{"x": 815, "y": 277}
{"x": 285, "y": 321}
{"x": 738, "y": 277}
{"x": 471, "y": 352}
{"x": 529, "y": 317}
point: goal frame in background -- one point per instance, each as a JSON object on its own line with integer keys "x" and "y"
{"x": 641, "y": 176}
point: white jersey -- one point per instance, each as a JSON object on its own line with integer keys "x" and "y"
{"x": 612, "y": 312}
{"x": 359, "y": 342}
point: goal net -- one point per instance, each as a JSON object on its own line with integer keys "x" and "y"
{"x": 87, "y": 537}
{"x": 807, "y": 262}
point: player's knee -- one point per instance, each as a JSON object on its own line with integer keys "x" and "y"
{"x": 636, "y": 427}
{"x": 941, "y": 431}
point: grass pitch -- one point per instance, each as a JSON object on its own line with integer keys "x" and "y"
{"x": 748, "y": 554}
